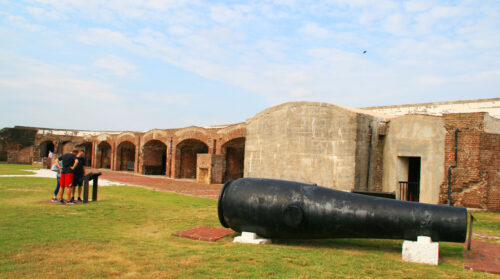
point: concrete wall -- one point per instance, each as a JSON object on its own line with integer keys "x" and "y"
{"x": 491, "y": 124}
{"x": 307, "y": 142}
{"x": 415, "y": 136}
{"x": 492, "y": 106}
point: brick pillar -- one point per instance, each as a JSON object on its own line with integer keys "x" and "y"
{"x": 94, "y": 155}
{"x": 136, "y": 159}
{"x": 169, "y": 159}
{"x": 113, "y": 155}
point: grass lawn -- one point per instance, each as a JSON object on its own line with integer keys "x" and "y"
{"x": 16, "y": 169}
{"x": 128, "y": 234}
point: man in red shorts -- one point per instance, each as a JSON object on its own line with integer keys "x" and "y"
{"x": 69, "y": 163}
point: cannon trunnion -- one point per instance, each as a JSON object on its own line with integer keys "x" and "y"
{"x": 284, "y": 209}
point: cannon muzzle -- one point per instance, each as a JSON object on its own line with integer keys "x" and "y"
{"x": 286, "y": 209}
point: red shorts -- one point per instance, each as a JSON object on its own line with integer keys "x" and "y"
{"x": 66, "y": 180}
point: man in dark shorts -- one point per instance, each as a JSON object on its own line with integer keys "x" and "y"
{"x": 78, "y": 174}
{"x": 69, "y": 163}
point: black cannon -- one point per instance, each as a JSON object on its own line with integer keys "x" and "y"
{"x": 285, "y": 209}
{"x": 94, "y": 177}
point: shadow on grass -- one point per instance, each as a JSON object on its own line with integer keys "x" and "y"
{"x": 448, "y": 250}
{"x": 344, "y": 244}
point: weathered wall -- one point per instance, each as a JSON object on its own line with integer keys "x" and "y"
{"x": 474, "y": 180}
{"x": 209, "y": 168}
{"x": 491, "y": 124}
{"x": 16, "y": 144}
{"x": 492, "y": 106}
{"x": 415, "y": 136}
{"x": 303, "y": 141}
{"x": 490, "y": 162}
{"x": 366, "y": 153}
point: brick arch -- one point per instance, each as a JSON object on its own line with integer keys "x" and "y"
{"x": 66, "y": 146}
{"x": 191, "y": 133}
{"x": 103, "y": 154}
{"x": 154, "y": 135}
{"x": 234, "y": 156}
{"x": 45, "y": 147}
{"x": 87, "y": 146}
{"x": 230, "y": 133}
{"x": 186, "y": 152}
{"x": 125, "y": 155}
{"x": 154, "y": 157}
{"x": 128, "y": 136}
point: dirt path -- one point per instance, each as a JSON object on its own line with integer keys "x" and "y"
{"x": 161, "y": 183}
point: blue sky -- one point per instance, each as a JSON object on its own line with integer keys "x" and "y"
{"x": 144, "y": 64}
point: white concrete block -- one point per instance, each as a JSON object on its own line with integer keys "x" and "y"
{"x": 421, "y": 251}
{"x": 252, "y": 238}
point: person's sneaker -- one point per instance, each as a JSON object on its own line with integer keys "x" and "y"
{"x": 80, "y": 200}
{"x": 71, "y": 202}
{"x": 54, "y": 200}
{"x": 61, "y": 202}
{"x": 72, "y": 199}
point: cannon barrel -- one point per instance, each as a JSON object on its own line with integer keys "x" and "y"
{"x": 286, "y": 209}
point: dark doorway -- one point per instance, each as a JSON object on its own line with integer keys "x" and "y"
{"x": 414, "y": 179}
{"x": 45, "y": 148}
{"x": 234, "y": 151}
{"x": 187, "y": 152}
{"x": 103, "y": 155}
{"x": 126, "y": 156}
{"x": 154, "y": 157}
{"x": 87, "y": 150}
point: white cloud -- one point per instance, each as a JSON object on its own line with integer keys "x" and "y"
{"x": 178, "y": 30}
{"x": 116, "y": 65}
{"x": 256, "y": 48}
{"x": 229, "y": 15}
{"x": 102, "y": 36}
{"x": 313, "y": 30}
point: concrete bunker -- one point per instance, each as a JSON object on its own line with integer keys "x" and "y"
{"x": 46, "y": 147}
{"x": 154, "y": 157}
{"x": 125, "y": 156}
{"x": 187, "y": 151}
{"x": 234, "y": 153}
{"x": 103, "y": 155}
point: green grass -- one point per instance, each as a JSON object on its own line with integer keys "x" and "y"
{"x": 486, "y": 223}
{"x": 16, "y": 169}
{"x": 128, "y": 234}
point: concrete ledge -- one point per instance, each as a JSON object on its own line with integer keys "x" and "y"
{"x": 249, "y": 237}
{"x": 421, "y": 251}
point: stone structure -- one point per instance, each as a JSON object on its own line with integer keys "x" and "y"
{"x": 491, "y": 106}
{"x": 314, "y": 143}
{"x": 170, "y": 152}
{"x": 411, "y": 156}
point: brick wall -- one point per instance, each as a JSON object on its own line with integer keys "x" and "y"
{"x": 490, "y": 163}
{"x": 475, "y": 178}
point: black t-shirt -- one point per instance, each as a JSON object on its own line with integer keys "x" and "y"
{"x": 79, "y": 167}
{"x": 68, "y": 160}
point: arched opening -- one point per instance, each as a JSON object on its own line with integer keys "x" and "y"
{"x": 87, "y": 149}
{"x": 234, "y": 151}
{"x": 103, "y": 156}
{"x": 46, "y": 147}
{"x": 187, "y": 151}
{"x": 154, "y": 157}
{"x": 67, "y": 147}
{"x": 125, "y": 156}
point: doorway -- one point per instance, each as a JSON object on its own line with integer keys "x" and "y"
{"x": 409, "y": 178}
